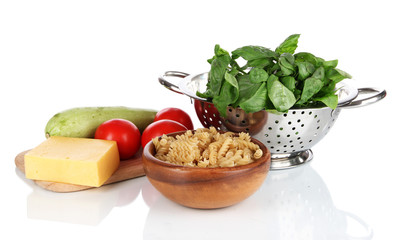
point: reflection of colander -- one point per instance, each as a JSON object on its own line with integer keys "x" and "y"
{"x": 289, "y": 136}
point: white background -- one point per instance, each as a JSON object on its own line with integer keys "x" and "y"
{"x": 56, "y": 55}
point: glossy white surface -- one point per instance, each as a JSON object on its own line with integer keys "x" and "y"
{"x": 56, "y": 55}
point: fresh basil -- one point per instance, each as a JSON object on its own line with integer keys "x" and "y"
{"x": 330, "y": 100}
{"x": 289, "y": 45}
{"x": 305, "y": 69}
{"x": 229, "y": 93}
{"x": 286, "y": 63}
{"x": 306, "y": 57}
{"x": 289, "y": 82}
{"x": 312, "y": 86}
{"x": 271, "y": 80}
{"x": 254, "y": 52}
{"x": 259, "y": 63}
{"x": 330, "y": 64}
{"x": 319, "y": 73}
{"x": 258, "y": 75}
{"x": 281, "y": 97}
{"x": 257, "y": 101}
{"x": 246, "y": 89}
{"x": 337, "y": 75}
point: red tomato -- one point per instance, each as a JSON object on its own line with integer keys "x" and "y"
{"x": 159, "y": 128}
{"x": 124, "y": 132}
{"x": 176, "y": 114}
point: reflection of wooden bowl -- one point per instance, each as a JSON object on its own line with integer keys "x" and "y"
{"x": 239, "y": 121}
{"x": 236, "y": 119}
{"x": 205, "y": 188}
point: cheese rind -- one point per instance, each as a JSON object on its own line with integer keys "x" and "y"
{"x": 81, "y": 161}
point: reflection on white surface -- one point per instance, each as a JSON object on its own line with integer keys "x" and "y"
{"x": 291, "y": 204}
{"x": 80, "y": 207}
{"x": 88, "y": 207}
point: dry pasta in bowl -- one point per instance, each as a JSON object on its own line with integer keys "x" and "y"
{"x": 205, "y": 168}
{"x": 207, "y": 148}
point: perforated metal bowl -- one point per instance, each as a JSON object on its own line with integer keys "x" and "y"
{"x": 289, "y": 136}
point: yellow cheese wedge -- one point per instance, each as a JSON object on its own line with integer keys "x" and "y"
{"x": 82, "y": 161}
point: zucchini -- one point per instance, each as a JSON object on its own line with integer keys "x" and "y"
{"x": 83, "y": 122}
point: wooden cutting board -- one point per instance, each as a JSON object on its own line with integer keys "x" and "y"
{"x": 128, "y": 169}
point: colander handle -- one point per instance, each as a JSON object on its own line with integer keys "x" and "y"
{"x": 163, "y": 80}
{"x": 365, "y": 97}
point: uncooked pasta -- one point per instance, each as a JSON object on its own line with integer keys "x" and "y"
{"x": 207, "y": 148}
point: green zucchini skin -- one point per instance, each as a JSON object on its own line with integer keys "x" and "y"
{"x": 83, "y": 122}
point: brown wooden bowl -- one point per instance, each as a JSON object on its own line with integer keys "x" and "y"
{"x": 205, "y": 188}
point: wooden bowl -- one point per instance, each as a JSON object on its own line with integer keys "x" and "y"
{"x": 205, "y": 188}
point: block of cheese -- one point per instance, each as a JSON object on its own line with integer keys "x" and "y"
{"x": 81, "y": 161}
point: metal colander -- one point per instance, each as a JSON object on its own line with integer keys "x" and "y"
{"x": 289, "y": 136}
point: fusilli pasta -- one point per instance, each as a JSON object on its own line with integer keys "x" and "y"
{"x": 206, "y": 147}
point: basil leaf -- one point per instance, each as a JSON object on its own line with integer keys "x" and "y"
{"x": 320, "y": 62}
{"x": 330, "y": 100}
{"x": 271, "y": 79}
{"x": 311, "y": 87}
{"x": 228, "y": 94}
{"x": 260, "y": 62}
{"x": 220, "y": 51}
{"x": 305, "y": 57}
{"x": 289, "y": 45}
{"x": 258, "y": 75}
{"x": 254, "y": 52}
{"x": 330, "y": 64}
{"x": 319, "y": 73}
{"x": 297, "y": 93}
{"x": 289, "y": 82}
{"x": 256, "y": 102}
{"x": 219, "y": 63}
{"x": 328, "y": 88}
{"x": 234, "y": 71}
{"x": 246, "y": 89}
{"x": 207, "y": 94}
{"x": 305, "y": 69}
{"x": 337, "y": 75}
{"x": 216, "y": 75}
{"x": 231, "y": 79}
{"x": 286, "y": 62}
{"x": 211, "y": 59}
{"x": 281, "y": 97}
